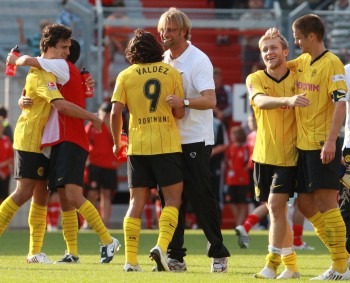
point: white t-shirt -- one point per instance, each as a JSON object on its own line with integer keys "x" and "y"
{"x": 197, "y": 75}
{"x": 59, "y": 67}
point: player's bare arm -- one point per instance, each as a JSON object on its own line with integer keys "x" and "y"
{"x": 328, "y": 149}
{"x": 24, "y": 60}
{"x": 207, "y": 100}
{"x": 267, "y": 102}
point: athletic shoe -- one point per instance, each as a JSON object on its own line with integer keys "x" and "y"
{"x": 287, "y": 274}
{"x": 67, "y": 258}
{"x": 219, "y": 265}
{"x": 330, "y": 274}
{"x": 130, "y": 268}
{"x": 160, "y": 258}
{"x": 38, "y": 258}
{"x": 304, "y": 246}
{"x": 107, "y": 251}
{"x": 266, "y": 273}
{"x": 243, "y": 239}
{"x": 177, "y": 266}
{"x": 174, "y": 265}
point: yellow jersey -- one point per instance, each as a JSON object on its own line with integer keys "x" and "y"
{"x": 277, "y": 134}
{"x": 143, "y": 88}
{"x": 319, "y": 79}
{"x": 42, "y": 89}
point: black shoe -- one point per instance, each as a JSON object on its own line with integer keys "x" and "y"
{"x": 68, "y": 259}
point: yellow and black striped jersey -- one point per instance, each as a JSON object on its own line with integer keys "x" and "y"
{"x": 323, "y": 81}
{"x": 42, "y": 89}
{"x": 276, "y": 135}
{"x": 143, "y": 88}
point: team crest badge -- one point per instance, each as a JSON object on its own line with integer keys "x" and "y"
{"x": 40, "y": 171}
{"x": 313, "y": 72}
{"x": 51, "y": 86}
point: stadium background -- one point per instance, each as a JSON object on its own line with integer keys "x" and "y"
{"x": 95, "y": 24}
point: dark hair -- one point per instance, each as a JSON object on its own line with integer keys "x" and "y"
{"x": 52, "y": 34}
{"x": 239, "y": 134}
{"x": 106, "y": 107}
{"x": 144, "y": 48}
{"x": 74, "y": 51}
{"x": 310, "y": 23}
{"x": 3, "y": 112}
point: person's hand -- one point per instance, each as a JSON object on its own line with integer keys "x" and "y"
{"x": 97, "y": 123}
{"x": 11, "y": 59}
{"x": 299, "y": 100}
{"x": 174, "y": 101}
{"x": 327, "y": 152}
{"x": 25, "y": 102}
{"x": 90, "y": 82}
{"x": 19, "y": 22}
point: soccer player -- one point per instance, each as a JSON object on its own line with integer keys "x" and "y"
{"x": 273, "y": 98}
{"x": 261, "y": 211}
{"x": 197, "y": 138}
{"x": 321, "y": 74}
{"x": 154, "y": 151}
{"x": 69, "y": 151}
{"x": 31, "y": 166}
{"x": 102, "y": 164}
{"x": 344, "y": 195}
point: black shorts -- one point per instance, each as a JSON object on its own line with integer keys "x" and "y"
{"x": 313, "y": 175}
{"x": 4, "y": 187}
{"x": 238, "y": 194}
{"x": 67, "y": 164}
{"x": 152, "y": 170}
{"x": 100, "y": 177}
{"x": 30, "y": 165}
{"x": 274, "y": 179}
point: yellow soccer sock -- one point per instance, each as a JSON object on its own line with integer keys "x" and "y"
{"x": 273, "y": 260}
{"x": 336, "y": 236}
{"x": 91, "y": 215}
{"x": 37, "y": 227}
{"x": 70, "y": 231}
{"x": 318, "y": 223}
{"x": 132, "y": 227}
{"x": 167, "y": 225}
{"x": 7, "y": 210}
{"x": 290, "y": 261}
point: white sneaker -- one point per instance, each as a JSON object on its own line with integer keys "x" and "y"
{"x": 160, "y": 258}
{"x": 38, "y": 258}
{"x": 174, "y": 265}
{"x": 129, "y": 268}
{"x": 243, "y": 239}
{"x": 107, "y": 251}
{"x": 219, "y": 265}
{"x": 287, "y": 274}
{"x": 331, "y": 274}
{"x": 266, "y": 273}
{"x": 305, "y": 246}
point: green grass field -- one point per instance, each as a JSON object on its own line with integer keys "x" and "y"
{"x": 241, "y": 265}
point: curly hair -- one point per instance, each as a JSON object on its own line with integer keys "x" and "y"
{"x": 52, "y": 34}
{"x": 144, "y": 48}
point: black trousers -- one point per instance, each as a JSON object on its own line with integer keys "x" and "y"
{"x": 199, "y": 193}
{"x": 344, "y": 206}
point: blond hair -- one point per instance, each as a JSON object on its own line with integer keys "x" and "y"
{"x": 177, "y": 16}
{"x": 272, "y": 33}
